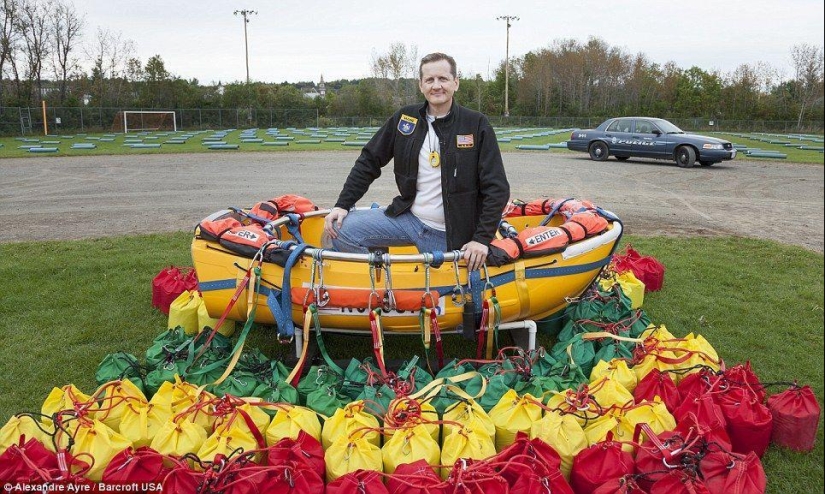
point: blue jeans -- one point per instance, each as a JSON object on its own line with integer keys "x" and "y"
{"x": 366, "y": 229}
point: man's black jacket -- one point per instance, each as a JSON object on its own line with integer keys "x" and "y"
{"x": 473, "y": 181}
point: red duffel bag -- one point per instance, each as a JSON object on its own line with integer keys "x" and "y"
{"x": 622, "y": 485}
{"x": 743, "y": 376}
{"x": 662, "y": 454}
{"x": 169, "y": 284}
{"x": 288, "y": 478}
{"x": 417, "y": 477}
{"x": 647, "y": 269}
{"x": 535, "y": 452}
{"x": 731, "y": 473}
{"x": 795, "y": 414}
{"x": 679, "y": 482}
{"x": 28, "y": 462}
{"x": 657, "y": 383}
{"x": 600, "y": 463}
{"x": 476, "y": 477}
{"x": 303, "y": 449}
{"x": 143, "y": 465}
{"x": 749, "y": 422}
{"x": 358, "y": 482}
{"x": 524, "y": 478}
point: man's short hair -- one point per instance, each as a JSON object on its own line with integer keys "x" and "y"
{"x": 437, "y": 57}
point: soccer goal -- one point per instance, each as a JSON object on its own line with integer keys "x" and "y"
{"x": 138, "y": 121}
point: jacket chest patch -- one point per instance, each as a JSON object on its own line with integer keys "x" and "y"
{"x": 407, "y": 124}
{"x": 464, "y": 141}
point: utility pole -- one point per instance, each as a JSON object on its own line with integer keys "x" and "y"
{"x": 507, "y": 19}
{"x": 246, "y": 14}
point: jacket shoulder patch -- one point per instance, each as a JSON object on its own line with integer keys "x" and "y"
{"x": 406, "y": 125}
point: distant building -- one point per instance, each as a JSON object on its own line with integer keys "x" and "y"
{"x": 315, "y": 91}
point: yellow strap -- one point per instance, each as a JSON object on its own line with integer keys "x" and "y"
{"x": 604, "y": 334}
{"x": 380, "y": 335}
{"x": 428, "y": 328}
{"x": 300, "y": 365}
{"x": 434, "y": 387}
{"x": 491, "y": 327}
{"x": 522, "y": 290}
{"x": 250, "y": 301}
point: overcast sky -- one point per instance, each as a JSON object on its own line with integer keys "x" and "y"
{"x": 291, "y": 40}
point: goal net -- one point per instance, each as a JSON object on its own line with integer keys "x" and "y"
{"x": 138, "y": 121}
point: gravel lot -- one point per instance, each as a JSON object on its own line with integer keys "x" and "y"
{"x": 85, "y": 197}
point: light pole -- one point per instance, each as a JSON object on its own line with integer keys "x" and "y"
{"x": 246, "y": 14}
{"x": 507, "y": 19}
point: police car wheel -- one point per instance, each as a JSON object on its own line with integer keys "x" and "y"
{"x": 685, "y": 157}
{"x": 599, "y": 151}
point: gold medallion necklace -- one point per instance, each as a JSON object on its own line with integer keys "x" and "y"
{"x": 434, "y": 157}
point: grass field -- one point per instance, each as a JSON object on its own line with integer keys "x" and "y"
{"x": 65, "y": 305}
{"x": 263, "y": 140}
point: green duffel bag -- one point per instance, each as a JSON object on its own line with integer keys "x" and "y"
{"x": 116, "y": 366}
{"x": 582, "y": 353}
{"x": 543, "y": 363}
{"x": 326, "y": 399}
{"x": 496, "y": 387}
{"x": 219, "y": 344}
{"x": 539, "y": 387}
{"x": 163, "y": 373}
{"x": 614, "y": 349}
{"x": 504, "y": 368}
{"x": 239, "y": 383}
{"x": 317, "y": 377}
{"x": 276, "y": 392}
{"x": 169, "y": 346}
{"x": 254, "y": 361}
{"x": 411, "y": 372}
{"x": 569, "y": 376}
{"x": 356, "y": 376}
{"x": 377, "y": 399}
{"x": 453, "y": 368}
{"x": 207, "y": 369}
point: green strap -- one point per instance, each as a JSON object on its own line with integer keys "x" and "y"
{"x": 322, "y": 348}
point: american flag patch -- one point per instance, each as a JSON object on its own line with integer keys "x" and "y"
{"x": 464, "y": 141}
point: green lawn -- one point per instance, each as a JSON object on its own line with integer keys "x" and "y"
{"x": 65, "y": 305}
{"x": 320, "y": 140}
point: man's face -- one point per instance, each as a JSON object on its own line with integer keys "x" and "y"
{"x": 437, "y": 83}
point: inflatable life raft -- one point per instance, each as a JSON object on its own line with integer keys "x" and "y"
{"x": 544, "y": 256}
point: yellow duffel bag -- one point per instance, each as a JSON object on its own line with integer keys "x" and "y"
{"x": 348, "y": 454}
{"x": 347, "y": 420}
{"x": 513, "y": 414}
{"x": 183, "y": 312}
{"x": 410, "y": 445}
{"x": 289, "y": 421}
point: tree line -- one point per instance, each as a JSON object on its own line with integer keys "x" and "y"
{"x": 42, "y": 47}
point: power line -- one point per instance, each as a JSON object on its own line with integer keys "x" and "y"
{"x": 507, "y": 19}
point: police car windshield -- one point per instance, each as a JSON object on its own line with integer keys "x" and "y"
{"x": 669, "y": 128}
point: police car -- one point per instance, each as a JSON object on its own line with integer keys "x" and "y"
{"x": 643, "y": 137}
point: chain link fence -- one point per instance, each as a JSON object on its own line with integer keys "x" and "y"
{"x": 21, "y": 121}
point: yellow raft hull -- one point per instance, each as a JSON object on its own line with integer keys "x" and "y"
{"x": 527, "y": 289}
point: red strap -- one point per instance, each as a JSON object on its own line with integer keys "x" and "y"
{"x": 235, "y": 296}
{"x": 252, "y": 428}
{"x": 439, "y": 348}
{"x": 377, "y": 341}
{"x": 482, "y": 330}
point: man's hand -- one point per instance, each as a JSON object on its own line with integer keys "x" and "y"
{"x": 332, "y": 223}
{"x": 475, "y": 254}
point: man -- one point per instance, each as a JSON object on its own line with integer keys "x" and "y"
{"x": 448, "y": 170}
